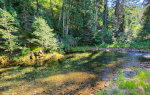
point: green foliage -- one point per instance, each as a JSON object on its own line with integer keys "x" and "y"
{"x": 137, "y": 45}
{"x": 137, "y": 86}
{"x": 144, "y": 35}
{"x": 85, "y": 48}
{"x": 43, "y": 35}
{"x": 25, "y": 51}
{"x": 8, "y": 27}
{"x": 103, "y": 36}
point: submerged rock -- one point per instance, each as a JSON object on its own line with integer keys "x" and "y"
{"x": 129, "y": 74}
{"x": 147, "y": 56}
{"x": 115, "y": 77}
{"x": 145, "y": 64}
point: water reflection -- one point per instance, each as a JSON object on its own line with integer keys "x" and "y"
{"x": 77, "y": 74}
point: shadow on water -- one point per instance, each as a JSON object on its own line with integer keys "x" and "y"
{"x": 75, "y": 73}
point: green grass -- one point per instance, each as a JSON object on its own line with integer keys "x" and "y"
{"x": 136, "y": 45}
{"x": 139, "y": 85}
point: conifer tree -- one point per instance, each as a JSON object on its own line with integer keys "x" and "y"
{"x": 43, "y": 35}
{"x": 8, "y": 26}
{"x": 145, "y": 33}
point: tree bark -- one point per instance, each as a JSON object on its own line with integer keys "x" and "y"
{"x": 96, "y": 15}
{"x": 67, "y": 28}
{"x": 37, "y": 7}
{"x": 51, "y": 8}
{"x": 64, "y": 18}
{"x": 106, "y": 12}
{"x": 68, "y": 20}
{"x": 117, "y": 13}
{"x": 122, "y": 19}
{"x": 60, "y": 16}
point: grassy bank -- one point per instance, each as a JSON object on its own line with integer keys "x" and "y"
{"x": 132, "y": 45}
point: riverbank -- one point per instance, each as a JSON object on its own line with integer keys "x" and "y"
{"x": 32, "y": 59}
{"x": 84, "y": 49}
{"x": 128, "y": 47}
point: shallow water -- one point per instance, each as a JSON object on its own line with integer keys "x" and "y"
{"x": 77, "y": 74}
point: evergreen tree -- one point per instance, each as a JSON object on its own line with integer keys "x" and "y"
{"x": 8, "y": 26}
{"x": 145, "y": 33}
{"x": 43, "y": 35}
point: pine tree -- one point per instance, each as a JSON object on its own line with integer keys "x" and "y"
{"x": 43, "y": 35}
{"x": 8, "y": 26}
{"x": 145, "y": 33}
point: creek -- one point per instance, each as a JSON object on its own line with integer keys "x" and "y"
{"x": 77, "y": 74}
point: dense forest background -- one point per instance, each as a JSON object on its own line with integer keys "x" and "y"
{"x": 55, "y": 24}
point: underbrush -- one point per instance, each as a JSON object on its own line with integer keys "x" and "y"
{"x": 138, "y": 85}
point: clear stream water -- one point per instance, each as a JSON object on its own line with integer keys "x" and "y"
{"x": 77, "y": 74}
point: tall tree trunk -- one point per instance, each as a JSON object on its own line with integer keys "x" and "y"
{"x": 117, "y": 13}
{"x": 105, "y": 20}
{"x": 106, "y": 13}
{"x": 64, "y": 20}
{"x": 4, "y": 5}
{"x": 67, "y": 28}
{"x": 64, "y": 23}
{"x": 122, "y": 19}
{"x": 96, "y": 15}
{"x": 51, "y": 8}
{"x": 68, "y": 20}
{"x": 37, "y": 7}
{"x": 60, "y": 16}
